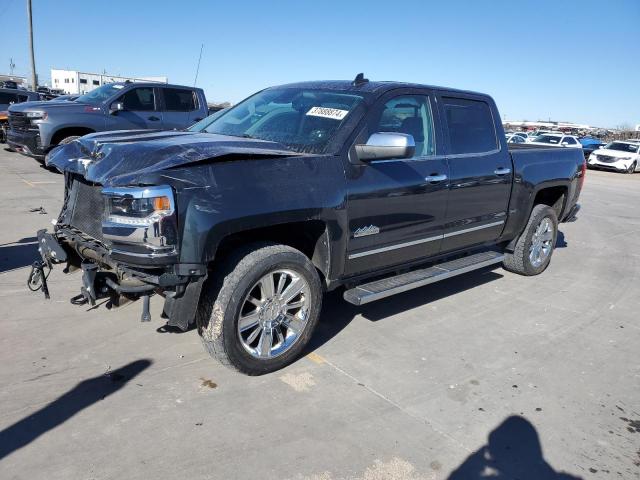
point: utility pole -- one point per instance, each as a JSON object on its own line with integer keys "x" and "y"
{"x": 12, "y": 66}
{"x": 34, "y": 81}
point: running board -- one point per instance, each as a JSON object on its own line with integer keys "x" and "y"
{"x": 386, "y": 287}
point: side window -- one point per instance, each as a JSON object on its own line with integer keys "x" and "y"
{"x": 470, "y": 125}
{"x": 139, "y": 100}
{"x": 569, "y": 141}
{"x": 7, "y": 98}
{"x": 179, "y": 100}
{"x": 409, "y": 114}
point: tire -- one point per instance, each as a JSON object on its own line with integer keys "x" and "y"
{"x": 70, "y": 139}
{"x": 229, "y": 296}
{"x": 520, "y": 261}
{"x": 632, "y": 168}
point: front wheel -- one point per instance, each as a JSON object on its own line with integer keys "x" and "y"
{"x": 533, "y": 250}
{"x": 632, "y": 168}
{"x": 258, "y": 312}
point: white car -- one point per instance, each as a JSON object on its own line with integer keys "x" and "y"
{"x": 556, "y": 140}
{"x": 621, "y": 156}
{"x": 514, "y": 138}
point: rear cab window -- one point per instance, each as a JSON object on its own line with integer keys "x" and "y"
{"x": 470, "y": 126}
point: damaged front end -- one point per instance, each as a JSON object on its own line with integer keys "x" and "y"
{"x": 125, "y": 242}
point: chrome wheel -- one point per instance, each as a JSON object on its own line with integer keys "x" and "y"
{"x": 541, "y": 243}
{"x": 274, "y": 314}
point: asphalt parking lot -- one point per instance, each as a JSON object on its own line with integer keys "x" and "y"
{"x": 490, "y": 374}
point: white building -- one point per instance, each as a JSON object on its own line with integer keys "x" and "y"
{"x": 74, "y": 82}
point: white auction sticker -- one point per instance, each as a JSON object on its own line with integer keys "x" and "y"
{"x": 334, "y": 113}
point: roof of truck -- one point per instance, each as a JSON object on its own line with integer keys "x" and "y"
{"x": 377, "y": 87}
{"x": 154, "y": 84}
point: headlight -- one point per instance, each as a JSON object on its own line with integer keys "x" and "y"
{"x": 36, "y": 115}
{"x": 624, "y": 158}
{"x": 142, "y": 216}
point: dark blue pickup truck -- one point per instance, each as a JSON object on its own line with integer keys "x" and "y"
{"x": 37, "y": 127}
{"x": 373, "y": 187}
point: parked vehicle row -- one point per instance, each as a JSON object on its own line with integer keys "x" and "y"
{"x": 620, "y": 156}
{"x": 243, "y": 222}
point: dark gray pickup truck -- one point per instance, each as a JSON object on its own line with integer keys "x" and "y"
{"x": 373, "y": 187}
{"x": 37, "y": 127}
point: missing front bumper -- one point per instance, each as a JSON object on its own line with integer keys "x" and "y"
{"x": 105, "y": 278}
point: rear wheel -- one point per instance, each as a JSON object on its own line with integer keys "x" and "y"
{"x": 258, "y": 312}
{"x": 533, "y": 250}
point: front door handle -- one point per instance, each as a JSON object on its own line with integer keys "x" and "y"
{"x": 435, "y": 178}
{"x": 502, "y": 171}
{"x": 154, "y": 119}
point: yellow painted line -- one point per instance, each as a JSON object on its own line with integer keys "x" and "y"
{"x": 315, "y": 358}
{"x": 27, "y": 182}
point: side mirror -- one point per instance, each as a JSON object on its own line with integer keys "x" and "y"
{"x": 385, "y": 145}
{"x": 116, "y": 107}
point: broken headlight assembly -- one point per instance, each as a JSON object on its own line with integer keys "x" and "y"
{"x": 140, "y": 220}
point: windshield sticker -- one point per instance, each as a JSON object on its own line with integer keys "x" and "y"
{"x": 324, "y": 112}
{"x": 118, "y": 86}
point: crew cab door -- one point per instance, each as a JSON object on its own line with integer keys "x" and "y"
{"x": 480, "y": 171}
{"x": 141, "y": 110}
{"x": 179, "y": 108}
{"x": 396, "y": 207}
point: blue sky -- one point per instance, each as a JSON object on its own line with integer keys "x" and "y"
{"x": 571, "y": 60}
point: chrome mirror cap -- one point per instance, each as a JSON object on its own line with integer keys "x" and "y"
{"x": 387, "y": 145}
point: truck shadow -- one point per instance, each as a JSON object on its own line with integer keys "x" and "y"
{"x": 337, "y": 313}
{"x": 18, "y": 254}
{"x": 560, "y": 240}
{"x": 513, "y": 450}
{"x": 83, "y": 395}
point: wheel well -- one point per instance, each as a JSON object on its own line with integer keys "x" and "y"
{"x": 552, "y": 196}
{"x": 310, "y": 237}
{"x": 69, "y": 132}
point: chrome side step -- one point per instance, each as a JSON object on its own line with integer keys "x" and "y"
{"x": 370, "y": 292}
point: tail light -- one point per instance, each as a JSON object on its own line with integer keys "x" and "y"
{"x": 583, "y": 174}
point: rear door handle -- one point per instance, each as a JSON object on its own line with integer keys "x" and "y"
{"x": 502, "y": 171}
{"x": 154, "y": 119}
{"x": 435, "y": 178}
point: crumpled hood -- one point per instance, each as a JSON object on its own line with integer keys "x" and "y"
{"x": 124, "y": 157}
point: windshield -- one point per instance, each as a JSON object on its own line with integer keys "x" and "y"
{"x": 100, "y": 94}
{"x": 303, "y": 120}
{"x": 622, "y": 147}
{"x": 551, "y": 139}
{"x": 205, "y": 122}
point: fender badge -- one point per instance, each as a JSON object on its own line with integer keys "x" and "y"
{"x": 364, "y": 231}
